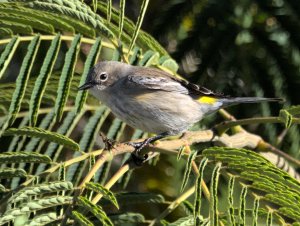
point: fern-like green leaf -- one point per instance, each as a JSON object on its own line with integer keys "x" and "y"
{"x": 15, "y": 142}
{"x": 242, "y": 209}
{"x": 139, "y": 23}
{"x": 134, "y": 58}
{"x": 66, "y": 76}
{"x": 127, "y": 218}
{"x": 44, "y": 134}
{"x": 214, "y": 196}
{"x": 255, "y": 212}
{"x": 198, "y": 193}
{"x": 184, "y": 221}
{"x": 169, "y": 63}
{"x": 286, "y": 118}
{"x": 121, "y": 17}
{"x": 104, "y": 191}
{"x": 39, "y": 204}
{"x": 5, "y": 32}
{"x": 90, "y": 61}
{"x": 42, "y": 79}
{"x": 294, "y": 110}
{"x": 12, "y": 172}
{"x": 87, "y": 141}
{"x": 278, "y": 187}
{"x": 81, "y": 12}
{"x": 81, "y": 219}
{"x": 8, "y": 53}
{"x": 22, "y": 79}
{"x": 17, "y": 28}
{"x": 269, "y": 218}
{"x": 31, "y": 21}
{"x": 150, "y": 57}
{"x": 129, "y": 198}
{"x": 180, "y": 152}
{"x": 108, "y": 11}
{"x": 17, "y": 157}
{"x": 230, "y": 199}
{"x": 39, "y": 189}
{"x": 188, "y": 168}
{"x": 95, "y": 210}
{"x": 42, "y": 219}
{"x": 45, "y": 124}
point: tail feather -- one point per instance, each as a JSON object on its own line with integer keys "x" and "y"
{"x": 239, "y": 100}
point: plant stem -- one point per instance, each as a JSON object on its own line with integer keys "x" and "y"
{"x": 173, "y": 205}
{"x": 222, "y": 127}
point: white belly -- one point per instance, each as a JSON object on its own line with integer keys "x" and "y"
{"x": 155, "y": 112}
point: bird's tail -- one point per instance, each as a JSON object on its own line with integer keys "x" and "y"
{"x": 239, "y": 100}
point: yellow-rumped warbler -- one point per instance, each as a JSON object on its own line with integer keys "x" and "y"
{"x": 153, "y": 100}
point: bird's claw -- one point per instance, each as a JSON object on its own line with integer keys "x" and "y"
{"x": 136, "y": 157}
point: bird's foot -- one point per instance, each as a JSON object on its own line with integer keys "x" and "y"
{"x": 138, "y": 159}
{"x": 138, "y": 146}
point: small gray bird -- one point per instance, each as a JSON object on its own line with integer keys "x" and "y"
{"x": 153, "y": 100}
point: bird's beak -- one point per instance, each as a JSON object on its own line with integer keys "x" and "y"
{"x": 86, "y": 86}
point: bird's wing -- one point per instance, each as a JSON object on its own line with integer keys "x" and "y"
{"x": 156, "y": 80}
{"x": 159, "y": 80}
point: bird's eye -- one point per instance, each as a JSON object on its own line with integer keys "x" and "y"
{"x": 103, "y": 76}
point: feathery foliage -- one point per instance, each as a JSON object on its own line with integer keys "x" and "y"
{"x": 56, "y": 168}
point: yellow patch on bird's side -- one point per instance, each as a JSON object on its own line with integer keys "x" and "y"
{"x": 207, "y": 100}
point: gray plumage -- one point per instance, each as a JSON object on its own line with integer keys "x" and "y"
{"x": 154, "y": 101}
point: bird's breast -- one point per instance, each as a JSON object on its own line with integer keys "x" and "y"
{"x": 154, "y": 111}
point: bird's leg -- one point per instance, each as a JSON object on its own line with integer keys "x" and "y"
{"x": 140, "y": 145}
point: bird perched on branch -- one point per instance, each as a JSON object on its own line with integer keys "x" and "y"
{"x": 154, "y": 101}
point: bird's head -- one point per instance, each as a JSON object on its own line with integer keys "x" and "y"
{"x": 104, "y": 74}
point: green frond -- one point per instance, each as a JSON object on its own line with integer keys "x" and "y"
{"x": 278, "y": 187}
{"x": 16, "y": 27}
{"x": 16, "y": 157}
{"x": 198, "y": 193}
{"x": 47, "y": 135}
{"x": 81, "y": 219}
{"x": 7, "y": 54}
{"x": 214, "y": 215}
{"x": 42, "y": 219}
{"x": 129, "y": 198}
{"x": 255, "y": 212}
{"x": 66, "y": 76}
{"x": 104, "y": 191}
{"x": 242, "y": 212}
{"x": 77, "y": 10}
{"x": 34, "y": 205}
{"x": 184, "y": 221}
{"x": 12, "y": 172}
{"x": 90, "y": 61}
{"x": 17, "y": 141}
{"x": 22, "y": 80}
{"x": 230, "y": 200}
{"x": 42, "y": 79}
{"x": 95, "y": 210}
{"x": 45, "y": 124}
{"x": 121, "y": 17}
{"x": 188, "y": 168}
{"x": 127, "y": 218}
{"x": 39, "y": 189}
